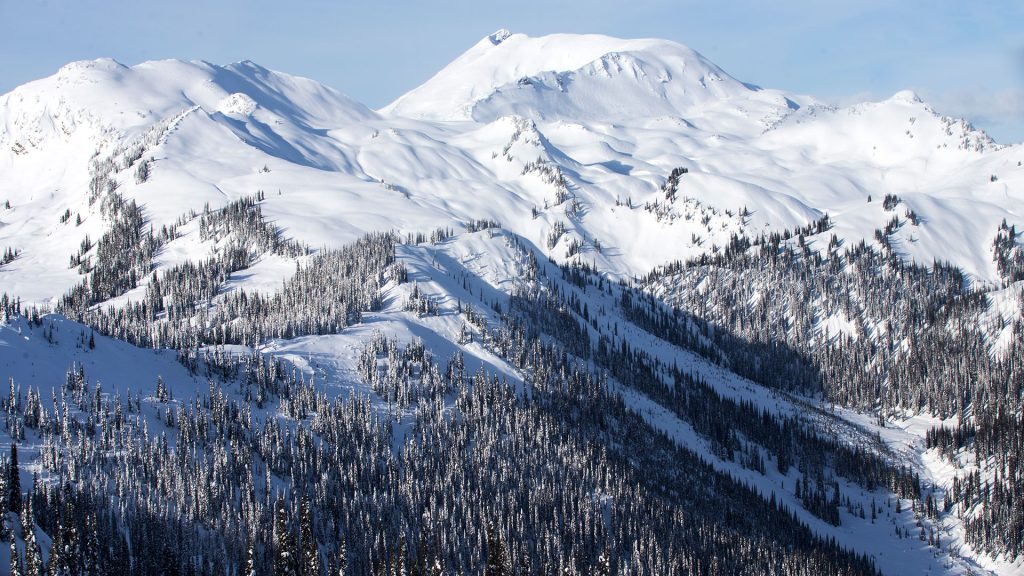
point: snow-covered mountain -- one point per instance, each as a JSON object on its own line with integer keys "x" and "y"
{"x": 700, "y": 222}
{"x": 579, "y": 78}
{"x": 610, "y": 119}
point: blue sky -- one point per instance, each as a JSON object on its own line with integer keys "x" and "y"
{"x": 966, "y": 58}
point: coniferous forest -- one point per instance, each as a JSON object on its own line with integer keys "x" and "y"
{"x": 444, "y": 469}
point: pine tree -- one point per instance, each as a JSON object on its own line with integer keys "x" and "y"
{"x": 65, "y": 552}
{"x": 310, "y": 551}
{"x": 604, "y": 565}
{"x": 339, "y": 563}
{"x": 14, "y": 482}
{"x": 5, "y": 529}
{"x": 284, "y": 541}
{"x": 33, "y": 556}
{"x": 91, "y": 545}
{"x": 15, "y": 560}
{"x": 497, "y": 555}
{"x": 398, "y": 563}
{"x": 56, "y": 562}
{"x": 250, "y": 560}
{"x": 162, "y": 393}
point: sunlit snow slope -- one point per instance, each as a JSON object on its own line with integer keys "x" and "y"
{"x": 573, "y": 131}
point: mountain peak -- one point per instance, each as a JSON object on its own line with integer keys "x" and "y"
{"x": 908, "y": 96}
{"x": 104, "y": 96}
{"x": 657, "y": 71}
{"x": 499, "y": 36}
{"x": 85, "y": 65}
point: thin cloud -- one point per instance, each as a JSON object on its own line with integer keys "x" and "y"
{"x": 999, "y": 112}
{"x": 1007, "y": 103}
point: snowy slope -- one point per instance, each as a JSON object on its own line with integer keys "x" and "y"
{"x": 613, "y": 117}
{"x": 588, "y": 77}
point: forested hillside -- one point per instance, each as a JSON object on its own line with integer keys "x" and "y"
{"x": 576, "y": 305}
